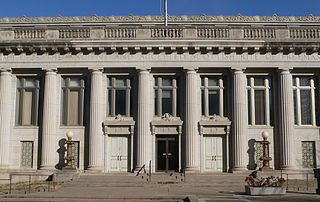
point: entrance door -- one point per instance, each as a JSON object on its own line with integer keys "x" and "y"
{"x": 213, "y": 154}
{"x": 167, "y": 153}
{"x": 119, "y": 154}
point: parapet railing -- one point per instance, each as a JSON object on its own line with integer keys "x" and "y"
{"x": 308, "y": 33}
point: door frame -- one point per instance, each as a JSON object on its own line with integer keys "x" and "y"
{"x": 178, "y": 155}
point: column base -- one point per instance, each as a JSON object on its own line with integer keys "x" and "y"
{"x": 94, "y": 169}
{"x": 285, "y": 167}
{"x": 239, "y": 169}
{"x": 192, "y": 169}
{"x": 49, "y": 168}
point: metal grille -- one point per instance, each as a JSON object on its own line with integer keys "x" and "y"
{"x": 75, "y": 154}
{"x": 308, "y": 157}
{"x": 26, "y": 154}
{"x": 259, "y": 153}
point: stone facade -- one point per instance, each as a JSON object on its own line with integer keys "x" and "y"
{"x": 194, "y": 95}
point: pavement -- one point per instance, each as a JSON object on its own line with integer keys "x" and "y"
{"x": 163, "y": 187}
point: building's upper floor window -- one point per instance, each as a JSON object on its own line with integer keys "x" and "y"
{"x": 119, "y": 95}
{"x": 304, "y": 100}
{"x": 72, "y": 101}
{"x": 212, "y": 96}
{"x": 259, "y": 100}
{"x": 165, "y": 95}
{"x": 27, "y": 101}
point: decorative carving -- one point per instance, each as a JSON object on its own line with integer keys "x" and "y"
{"x": 218, "y": 118}
{"x": 167, "y": 117}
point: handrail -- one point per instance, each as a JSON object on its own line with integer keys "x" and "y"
{"x": 144, "y": 170}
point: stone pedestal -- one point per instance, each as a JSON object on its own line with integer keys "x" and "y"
{"x": 96, "y": 138}
{"x": 240, "y": 121}
{"x": 49, "y": 126}
{"x": 5, "y": 116}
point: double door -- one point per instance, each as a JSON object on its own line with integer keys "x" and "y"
{"x": 167, "y": 153}
{"x": 119, "y": 154}
{"x": 213, "y": 158}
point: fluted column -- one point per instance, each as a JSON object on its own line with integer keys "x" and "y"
{"x": 5, "y": 116}
{"x": 49, "y": 144}
{"x": 191, "y": 122}
{"x": 240, "y": 120}
{"x": 286, "y": 119}
{"x": 96, "y": 138}
{"x": 144, "y": 119}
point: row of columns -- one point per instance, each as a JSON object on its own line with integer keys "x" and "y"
{"x": 144, "y": 155}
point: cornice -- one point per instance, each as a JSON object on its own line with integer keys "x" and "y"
{"x": 159, "y": 19}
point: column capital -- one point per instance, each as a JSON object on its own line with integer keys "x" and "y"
{"x": 144, "y": 70}
{"x": 50, "y": 69}
{"x": 96, "y": 70}
{"x": 4, "y": 70}
{"x": 284, "y": 70}
{"x": 238, "y": 69}
{"x": 190, "y": 70}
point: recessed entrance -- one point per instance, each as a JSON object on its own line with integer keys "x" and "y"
{"x": 167, "y": 153}
{"x": 213, "y": 153}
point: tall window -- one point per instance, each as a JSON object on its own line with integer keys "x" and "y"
{"x": 119, "y": 93}
{"x": 259, "y": 100}
{"x": 165, "y": 91}
{"x": 304, "y": 100}
{"x": 212, "y": 96}
{"x": 27, "y": 101}
{"x": 72, "y": 101}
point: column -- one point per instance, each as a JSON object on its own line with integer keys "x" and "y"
{"x": 240, "y": 121}
{"x": 5, "y": 116}
{"x": 96, "y": 138}
{"x": 286, "y": 119}
{"x": 191, "y": 122}
{"x": 144, "y": 144}
{"x": 49, "y": 140}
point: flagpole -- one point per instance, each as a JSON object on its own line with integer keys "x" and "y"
{"x": 165, "y": 12}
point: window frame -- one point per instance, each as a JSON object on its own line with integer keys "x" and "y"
{"x": 296, "y": 87}
{"x": 111, "y": 95}
{"x": 251, "y": 88}
{"x": 20, "y": 96}
{"x": 205, "y": 88}
{"x": 158, "y": 88}
{"x": 65, "y": 86}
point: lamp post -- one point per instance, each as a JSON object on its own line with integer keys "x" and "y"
{"x": 265, "y": 158}
{"x": 69, "y": 158}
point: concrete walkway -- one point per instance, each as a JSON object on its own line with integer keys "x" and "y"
{"x": 162, "y": 187}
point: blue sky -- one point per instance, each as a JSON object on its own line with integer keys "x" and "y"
{"x": 30, "y": 8}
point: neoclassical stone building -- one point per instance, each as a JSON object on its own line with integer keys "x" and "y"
{"x": 194, "y": 95}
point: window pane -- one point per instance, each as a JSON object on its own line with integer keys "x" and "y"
{"x": 213, "y": 82}
{"x": 120, "y": 102}
{"x": 305, "y": 81}
{"x": 27, "y": 108}
{"x": 259, "y": 81}
{"x": 202, "y": 103}
{"x": 73, "y": 112}
{"x": 306, "y": 111}
{"x": 213, "y": 102}
{"x": 156, "y": 102}
{"x": 109, "y": 103}
{"x": 166, "y": 102}
{"x": 167, "y": 82}
{"x": 30, "y": 83}
{"x": 259, "y": 101}
{"x": 249, "y": 107}
{"x": 74, "y": 82}
{"x": 120, "y": 82}
{"x": 295, "y": 107}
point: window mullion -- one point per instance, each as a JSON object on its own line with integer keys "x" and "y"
{"x": 36, "y": 102}
{"x": 67, "y": 101}
{"x": 313, "y": 104}
{"x": 252, "y": 110}
{"x": 267, "y": 101}
{"x": 113, "y": 96}
{"x": 174, "y": 97}
{"x": 298, "y": 102}
{"x": 81, "y": 104}
{"x": 206, "y": 97}
{"x": 128, "y": 97}
{"x": 221, "y": 97}
{"x": 159, "y": 96}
